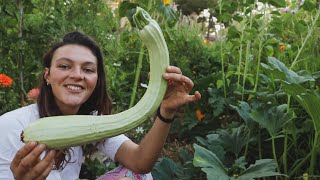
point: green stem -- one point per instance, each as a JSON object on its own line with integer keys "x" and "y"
{"x": 222, "y": 69}
{"x": 258, "y": 67}
{"x": 284, "y": 155}
{"x": 137, "y": 76}
{"x": 240, "y": 58}
{"x": 260, "y": 49}
{"x": 245, "y": 68}
{"x": 247, "y": 144}
{"x": 298, "y": 166}
{"x": 313, "y": 154}
{"x": 310, "y": 31}
{"x": 259, "y": 144}
{"x": 275, "y": 154}
{"x": 221, "y": 56}
{"x": 247, "y": 54}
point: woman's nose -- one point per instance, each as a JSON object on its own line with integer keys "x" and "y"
{"x": 77, "y": 74}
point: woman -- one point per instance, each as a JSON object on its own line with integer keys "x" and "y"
{"x": 74, "y": 83}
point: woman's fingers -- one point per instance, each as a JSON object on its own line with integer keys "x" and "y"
{"x": 179, "y": 79}
{"x": 21, "y": 154}
{"x": 27, "y": 164}
{"x": 173, "y": 69}
{"x": 34, "y": 155}
{"x": 44, "y": 167}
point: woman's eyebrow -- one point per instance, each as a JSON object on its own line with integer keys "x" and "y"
{"x": 71, "y": 61}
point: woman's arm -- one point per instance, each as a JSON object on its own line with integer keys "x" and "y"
{"x": 141, "y": 158}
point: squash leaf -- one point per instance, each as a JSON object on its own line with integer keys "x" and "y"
{"x": 209, "y": 163}
{"x": 308, "y": 99}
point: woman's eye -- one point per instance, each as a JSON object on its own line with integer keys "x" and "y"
{"x": 63, "y": 66}
{"x": 89, "y": 70}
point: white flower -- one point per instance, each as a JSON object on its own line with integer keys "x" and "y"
{"x": 139, "y": 130}
{"x": 117, "y": 64}
{"x": 144, "y": 85}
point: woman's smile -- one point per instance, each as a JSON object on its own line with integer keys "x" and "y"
{"x": 72, "y": 76}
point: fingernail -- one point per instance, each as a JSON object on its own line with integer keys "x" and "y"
{"x": 41, "y": 146}
{"x": 52, "y": 152}
{"x": 33, "y": 143}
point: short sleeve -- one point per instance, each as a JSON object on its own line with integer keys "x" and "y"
{"x": 111, "y": 145}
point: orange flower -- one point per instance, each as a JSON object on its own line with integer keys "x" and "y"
{"x": 166, "y": 2}
{"x": 33, "y": 94}
{"x": 282, "y": 48}
{"x": 199, "y": 114}
{"x": 5, "y": 81}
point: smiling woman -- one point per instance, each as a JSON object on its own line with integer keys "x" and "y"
{"x": 72, "y": 76}
{"x": 74, "y": 83}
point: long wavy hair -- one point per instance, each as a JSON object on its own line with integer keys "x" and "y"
{"x": 99, "y": 101}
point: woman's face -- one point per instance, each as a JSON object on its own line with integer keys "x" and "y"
{"x": 72, "y": 76}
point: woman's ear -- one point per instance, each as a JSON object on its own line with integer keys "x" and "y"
{"x": 46, "y": 75}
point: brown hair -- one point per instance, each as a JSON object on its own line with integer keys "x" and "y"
{"x": 99, "y": 100}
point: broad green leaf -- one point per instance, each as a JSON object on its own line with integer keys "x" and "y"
{"x": 168, "y": 13}
{"x": 262, "y": 168}
{"x": 213, "y": 144}
{"x": 209, "y": 163}
{"x": 243, "y": 110}
{"x": 233, "y": 140}
{"x": 274, "y": 118}
{"x": 308, "y": 99}
{"x": 166, "y": 169}
{"x": 280, "y": 71}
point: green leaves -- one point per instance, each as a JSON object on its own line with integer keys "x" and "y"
{"x": 274, "y": 118}
{"x": 166, "y": 169}
{"x": 210, "y": 164}
{"x": 262, "y": 168}
{"x": 215, "y": 170}
{"x": 280, "y": 71}
{"x": 308, "y": 99}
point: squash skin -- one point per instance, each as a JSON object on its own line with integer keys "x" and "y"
{"x": 60, "y": 132}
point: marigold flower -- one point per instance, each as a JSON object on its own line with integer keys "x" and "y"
{"x": 199, "y": 114}
{"x": 33, "y": 94}
{"x": 166, "y": 2}
{"x": 5, "y": 81}
{"x": 282, "y": 48}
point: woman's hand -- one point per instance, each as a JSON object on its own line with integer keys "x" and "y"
{"x": 27, "y": 164}
{"x": 179, "y": 87}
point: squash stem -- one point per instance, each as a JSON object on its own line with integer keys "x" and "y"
{"x": 313, "y": 154}
{"x": 275, "y": 154}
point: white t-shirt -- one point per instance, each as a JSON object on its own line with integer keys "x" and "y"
{"x": 11, "y": 126}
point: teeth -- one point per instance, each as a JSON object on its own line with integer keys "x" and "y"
{"x": 75, "y": 88}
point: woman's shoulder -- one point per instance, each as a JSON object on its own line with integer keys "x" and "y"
{"x": 24, "y": 114}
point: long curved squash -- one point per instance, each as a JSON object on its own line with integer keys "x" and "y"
{"x": 66, "y": 131}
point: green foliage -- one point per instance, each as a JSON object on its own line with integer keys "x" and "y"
{"x": 167, "y": 169}
{"x": 215, "y": 169}
{"x": 273, "y": 118}
{"x": 92, "y": 169}
{"x": 242, "y": 104}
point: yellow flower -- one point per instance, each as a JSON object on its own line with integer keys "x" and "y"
{"x": 166, "y": 2}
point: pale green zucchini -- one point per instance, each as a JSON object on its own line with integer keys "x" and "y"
{"x": 66, "y": 131}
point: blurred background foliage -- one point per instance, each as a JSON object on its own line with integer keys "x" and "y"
{"x": 254, "y": 62}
